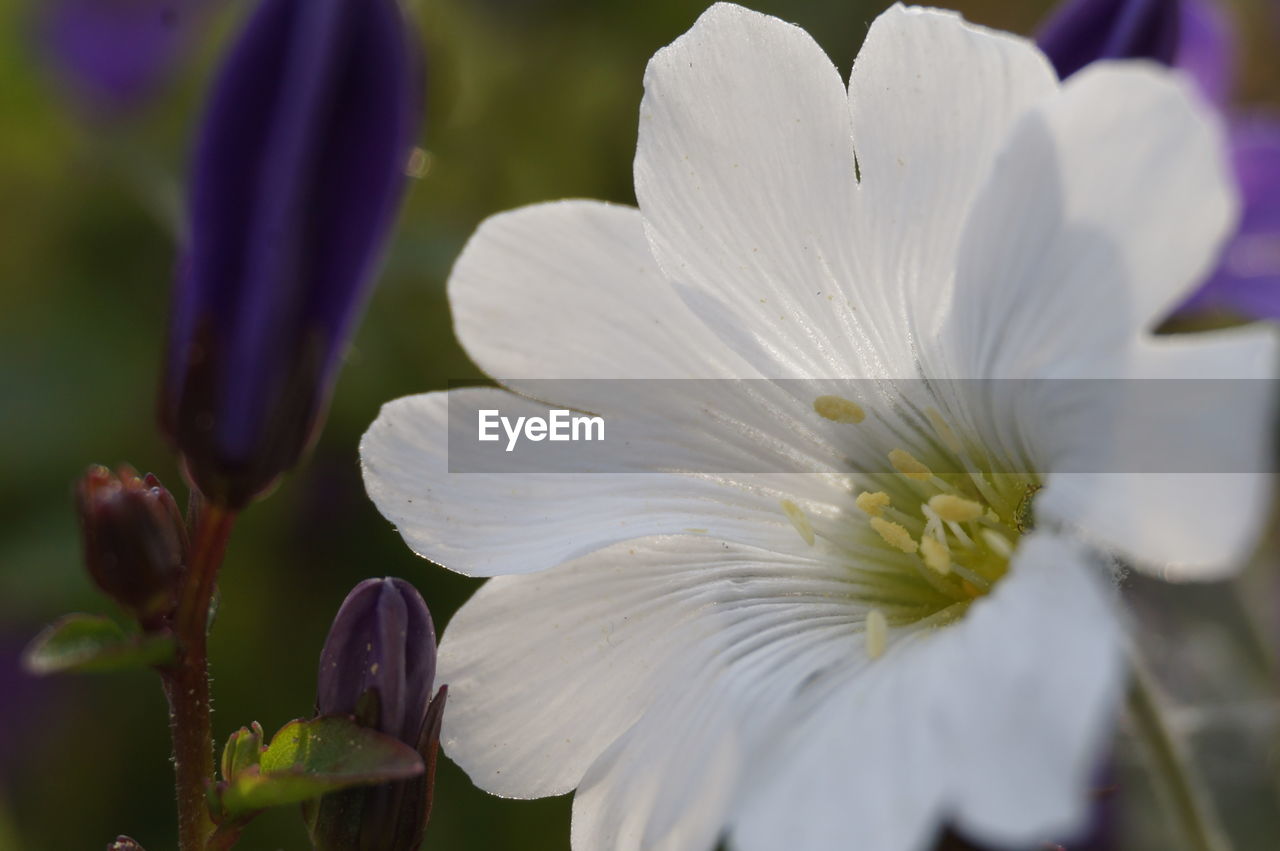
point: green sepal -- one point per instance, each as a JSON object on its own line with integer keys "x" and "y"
{"x": 90, "y": 643}
{"x": 307, "y": 759}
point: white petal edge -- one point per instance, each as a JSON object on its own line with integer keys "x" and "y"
{"x": 745, "y": 176}
{"x": 933, "y": 99}
{"x": 1202, "y": 518}
{"x": 481, "y": 511}
{"x": 569, "y": 289}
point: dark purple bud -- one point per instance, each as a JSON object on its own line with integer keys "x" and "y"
{"x": 298, "y": 174}
{"x": 113, "y": 55}
{"x": 135, "y": 541}
{"x": 1082, "y": 31}
{"x": 379, "y": 664}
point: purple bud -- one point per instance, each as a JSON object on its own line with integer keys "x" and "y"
{"x": 379, "y": 664}
{"x": 112, "y": 55}
{"x": 298, "y": 174}
{"x": 1082, "y": 31}
{"x": 135, "y": 542}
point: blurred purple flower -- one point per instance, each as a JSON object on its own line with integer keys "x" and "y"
{"x": 298, "y": 174}
{"x": 112, "y": 55}
{"x": 1247, "y": 280}
{"x": 379, "y": 664}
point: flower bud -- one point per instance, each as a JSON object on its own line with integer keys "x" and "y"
{"x": 135, "y": 541}
{"x": 125, "y": 843}
{"x": 243, "y": 751}
{"x": 299, "y": 170}
{"x": 379, "y": 664}
{"x": 1082, "y": 31}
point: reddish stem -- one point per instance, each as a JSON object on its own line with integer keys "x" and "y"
{"x": 187, "y": 682}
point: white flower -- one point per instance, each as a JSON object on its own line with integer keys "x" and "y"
{"x": 841, "y": 656}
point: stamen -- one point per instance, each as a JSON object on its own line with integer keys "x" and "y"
{"x": 906, "y": 464}
{"x": 933, "y": 523}
{"x": 955, "y": 509}
{"x": 839, "y": 409}
{"x": 944, "y": 431}
{"x": 799, "y": 520}
{"x": 958, "y": 531}
{"x": 873, "y": 504}
{"x": 894, "y": 535}
{"x": 936, "y": 555}
{"x": 998, "y": 543}
{"x": 877, "y": 634}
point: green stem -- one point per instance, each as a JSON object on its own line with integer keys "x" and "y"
{"x": 1189, "y": 805}
{"x": 187, "y": 682}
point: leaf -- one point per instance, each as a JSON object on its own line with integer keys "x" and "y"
{"x": 306, "y": 759}
{"x": 89, "y": 643}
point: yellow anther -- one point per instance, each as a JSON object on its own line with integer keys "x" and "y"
{"x": 877, "y": 634}
{"x": 945, "y": 434}
{"x": 998, "y": 543}
{"x": 936, "y": 555}
{"x": 955, "y": 509}
{"x": 799, "y": 520}
{"x": 906, "y": 464}
{"x": 873, "y": 504}
{"x": 839, "y": 409}
{"x": 894, "y": 535}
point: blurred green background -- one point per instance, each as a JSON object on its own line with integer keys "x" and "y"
{"x": 529, "y": 100}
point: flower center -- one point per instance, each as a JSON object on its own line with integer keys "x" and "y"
{"x": 928, "y": 543}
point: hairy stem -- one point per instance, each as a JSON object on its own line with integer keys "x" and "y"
{"x": 1189, "y": 807}
{"x": 186, "y": 683}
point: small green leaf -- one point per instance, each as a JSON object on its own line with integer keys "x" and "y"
{"x": 90, "y": 643}
{"x": 306, "y": 759}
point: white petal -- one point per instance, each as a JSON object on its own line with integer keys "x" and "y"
{"x": 685, "y": 465}
{"x": 1176, "y": 475}
{"x": 745, "y": 176}
{"x": 995, "y": 722}
{"x": 1108, "y": 204}
{"x": 668, "y": 784}
{"x": 570, "y": 290}
{"x": 933, "y": 100}
{"x": 548, "y": 671}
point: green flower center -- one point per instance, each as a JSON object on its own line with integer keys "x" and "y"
{"x": 933, "y": 542}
